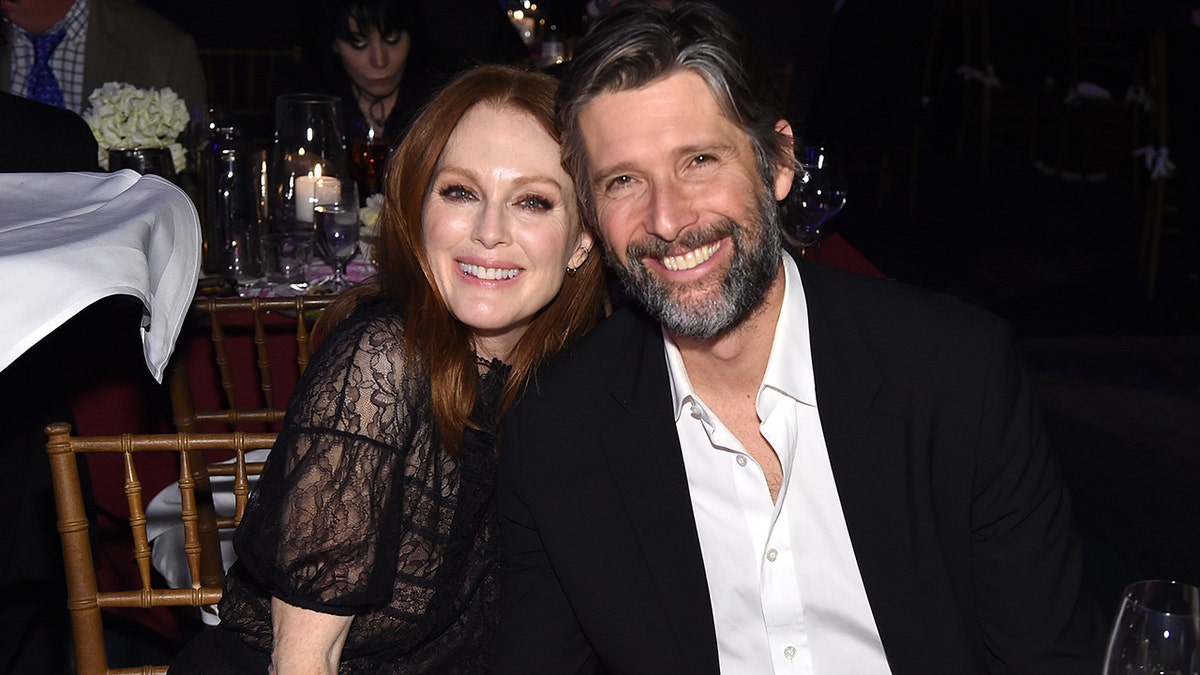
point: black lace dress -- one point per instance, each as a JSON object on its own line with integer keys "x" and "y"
{"x": 361, "y": 512}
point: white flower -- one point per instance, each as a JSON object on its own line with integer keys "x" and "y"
{"x": 369, "y": 214}
{"x": 123, "y": 116}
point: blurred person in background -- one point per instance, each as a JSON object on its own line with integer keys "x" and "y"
{"x": 366, "y": 46}
{"x": 59, "y": 51}
{"x": 383, "y": 58}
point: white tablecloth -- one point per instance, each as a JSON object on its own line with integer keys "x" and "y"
{"x": 70, "y": 239}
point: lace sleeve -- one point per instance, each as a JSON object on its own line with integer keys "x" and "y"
{"x": 311, "y": 533}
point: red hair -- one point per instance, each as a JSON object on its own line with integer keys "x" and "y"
{"x": 438, "y": 343}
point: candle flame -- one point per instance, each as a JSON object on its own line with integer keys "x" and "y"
{"x": 316, "y": 171}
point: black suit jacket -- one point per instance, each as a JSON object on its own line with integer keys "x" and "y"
{"x": 39, "y": 137}
{"x": 954, "y": 505}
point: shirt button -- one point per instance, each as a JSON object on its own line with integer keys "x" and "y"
{"x": 741, "y": 460}
{"x": 696, "y": 411}
{"x": 789, "y": 653}
{"x": 772, "y": 554}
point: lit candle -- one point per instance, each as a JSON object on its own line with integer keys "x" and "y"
{"x": 315, "y": 189}
{"x": 305, "y": 192}
{"x": 327, "y": 190}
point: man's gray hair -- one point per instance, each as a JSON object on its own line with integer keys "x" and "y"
{"x": 638, "y": 43}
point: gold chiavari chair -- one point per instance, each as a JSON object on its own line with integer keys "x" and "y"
{"x": 254, "y": 352}
{"x": 85, "y": 601}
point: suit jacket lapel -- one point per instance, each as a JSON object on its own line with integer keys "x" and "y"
{"x": 869, "y": 460}
{"x": 655, "y": 490}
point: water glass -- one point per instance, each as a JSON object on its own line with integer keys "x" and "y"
{"x": 286, "y": 256}
{"x": 337, "y": 239}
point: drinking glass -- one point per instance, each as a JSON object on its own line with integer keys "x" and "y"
{"x": 146, "y": 161}
{"x": 308, "y": 159}
{"x": 368, "y": 156}
{"x": 822, "y": 193}
{"x": 1157, "y": 631}
{"x": 335, "y": 226}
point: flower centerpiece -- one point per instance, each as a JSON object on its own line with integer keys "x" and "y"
{"x": 369, "y": 215}
{"x": 125, "y": 117}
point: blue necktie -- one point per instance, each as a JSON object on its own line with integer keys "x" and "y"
{"x": 42, "y": 85}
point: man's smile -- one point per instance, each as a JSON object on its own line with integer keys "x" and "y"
{"x": 694, "y": 257}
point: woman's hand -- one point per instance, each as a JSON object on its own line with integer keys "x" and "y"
{"x": 306, "y": 642}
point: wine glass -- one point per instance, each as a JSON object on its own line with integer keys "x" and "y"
{"x": 1157, "y": 631}
{"x": 822, "y": 193}
{"x": 335, "y": 225}
{"x": 368, "y": 154}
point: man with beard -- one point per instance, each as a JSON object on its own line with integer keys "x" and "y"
{"x": 769, "y": 466}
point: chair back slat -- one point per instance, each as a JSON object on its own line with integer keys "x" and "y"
{"x": 221, "y": 357}
{"x": 251, "y": 345}
{"x": 263, "y": 358}
{"x": 137, "y": 516}
{"x": 85, "y": 600}
{"x": 303, "y": 350}
{"x": 189, "y": 515}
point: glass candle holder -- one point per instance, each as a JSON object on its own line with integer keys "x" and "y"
{"x": 308, "y": 159}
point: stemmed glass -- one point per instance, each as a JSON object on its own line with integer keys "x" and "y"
{"x": 368, "y": 154}
{"x": 1157, "y": 631}
{"x": 335, "y": 226}
{"x": 822, "y": 193}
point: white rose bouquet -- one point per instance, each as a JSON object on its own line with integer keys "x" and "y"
{"x": 123, "y": 116}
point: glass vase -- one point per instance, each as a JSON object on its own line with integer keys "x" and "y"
{"x": 153, "y": 161}
{"x": 308, "y": 160}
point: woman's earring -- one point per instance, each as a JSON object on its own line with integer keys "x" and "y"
{"x": 572, "y": 270}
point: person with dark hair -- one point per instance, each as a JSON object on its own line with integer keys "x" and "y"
{"x": 369, "y": 543}
{"x": 384, "y": 58}
{"x": 368, "y": 45}
{"x": 765, "y": 465}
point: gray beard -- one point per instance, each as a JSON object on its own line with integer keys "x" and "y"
{"x": 750, "y": 274}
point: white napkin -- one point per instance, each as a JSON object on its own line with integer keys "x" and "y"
{"x": 69, "y": 239}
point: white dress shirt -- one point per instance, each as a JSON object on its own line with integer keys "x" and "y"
{"x": 787, "y": 596}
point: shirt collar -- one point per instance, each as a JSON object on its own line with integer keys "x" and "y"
{"x": 76, "y": 19}
{"x": 789, "y": 368}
